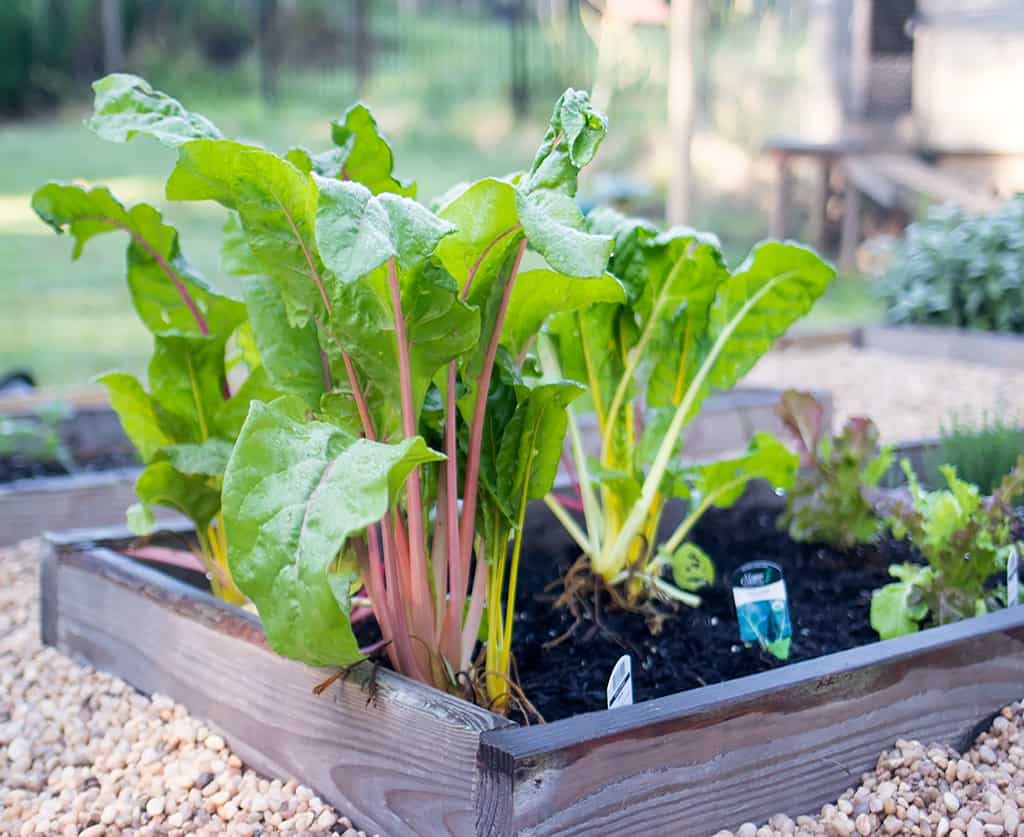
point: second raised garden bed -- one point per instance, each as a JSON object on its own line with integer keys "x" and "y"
{"x": 401, "y": 758}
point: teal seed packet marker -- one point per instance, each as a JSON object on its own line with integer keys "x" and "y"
{"x": 762, "y": 607}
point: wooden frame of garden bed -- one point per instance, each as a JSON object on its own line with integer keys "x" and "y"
{"x": 415, "y": 761}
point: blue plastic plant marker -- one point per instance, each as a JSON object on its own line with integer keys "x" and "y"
{"x": 762, "y": 607}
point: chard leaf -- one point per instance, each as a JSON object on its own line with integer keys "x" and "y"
{"x": 203, "y": 171}
{"x": 289, "y": 354}
{"x": 209, "y": 458}
{"x": 553, "y": 225}
{"x": 539, "y": 294}
{"x": 531, "y": 444}
{"x": 139, "y": 519}
{"x": 574, "y": 134}
{"x": 776, "y": 286}
{"x": 722, "y": 483}
{"x": 294, "y": 493}
{"x": 184, "y": 381}
{"x": 126, "y": 105}
{"x": 365, "y": 155}
{"x": 137, "y": 413}
{"x": 161, "y": 484}
{"x": 168, "y": 293}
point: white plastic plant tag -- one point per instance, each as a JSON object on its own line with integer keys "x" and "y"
{"x": 1012, "y": 578}
{"x": 620, "y": 684}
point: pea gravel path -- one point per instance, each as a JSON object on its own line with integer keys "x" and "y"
{"x": 908, "y": 398}
{"x": 82, "y": 753}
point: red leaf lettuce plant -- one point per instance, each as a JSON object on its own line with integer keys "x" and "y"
{"x": 406, "y": 441}
{"x": 829, "y": 502}
{"x": 966, "y": 538}
{"x": 687, "y": 324}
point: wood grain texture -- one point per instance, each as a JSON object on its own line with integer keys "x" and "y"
{"x": 404, "y": 764}
{"x": 788, "y": 740}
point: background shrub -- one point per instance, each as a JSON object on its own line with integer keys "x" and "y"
{"x": 960, "y": 270}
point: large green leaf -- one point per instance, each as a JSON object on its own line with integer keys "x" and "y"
{"x": 169, "y": 294}
{"x": 137, "y": 413}
{"x": 126, "y": 105}
{"x": 294, "y": 493}
{"x": 539, "y": 294}
{"x": 289, "y": 354}
{"x": 776, "y": 286}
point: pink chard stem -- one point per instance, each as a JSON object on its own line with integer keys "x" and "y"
{"x": 420, "y": 592}
{"x": 476, "y": 433}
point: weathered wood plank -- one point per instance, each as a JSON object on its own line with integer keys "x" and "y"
{"x": 787, "y": 740}
{"x": 30, "y": 507}
{"x": 985, "y": 348}
{"x": 403, "y": 764}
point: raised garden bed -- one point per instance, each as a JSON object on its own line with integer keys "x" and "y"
{"x": 985, "y": 348}
{"x": 36, "y": 496}
{"x": 416, "y": 761}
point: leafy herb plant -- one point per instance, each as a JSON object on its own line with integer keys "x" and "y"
{"x": 688, "y": 324}
{"x": 400, "y": 435}
{"x": 827, "y": 502}
{"x": 37, "y": 438}
{"x": 965, "y": 538}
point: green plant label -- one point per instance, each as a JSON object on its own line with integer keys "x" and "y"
{"x": 762, "y": 608}
{"x": 620, "y": 684}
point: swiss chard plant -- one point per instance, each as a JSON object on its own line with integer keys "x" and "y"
{"x": 688, "y": 324}
{"x": 404, "y": 435}
{"x": 965, "y": 537}
{"x": 829, "y": 501}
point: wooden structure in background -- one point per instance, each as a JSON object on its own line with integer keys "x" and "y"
{"x": 906, "y": 138}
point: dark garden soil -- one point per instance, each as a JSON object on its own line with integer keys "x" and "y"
{"x": 829, "y": 598}
{"x": 22, "y": 467}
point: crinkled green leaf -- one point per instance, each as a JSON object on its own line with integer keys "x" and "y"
{"x": 127, "y": 105}
{"x": 160, "y": 484}
{"x": 897, "y": 608}
{"x": 137, "y": 413}
{"x": 572, "y": 139}
{"x": 168, "y": 293}
{"x": 554, "y": 225}
{"x": 294, "y": 493}
{"x": 365, "y": 155}
{"x": 209, "y": 458}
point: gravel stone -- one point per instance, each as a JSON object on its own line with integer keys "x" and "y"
{"x": 908, "y": 397}
{"x": 932, "y": 791}
{"x": 83, "y": 754}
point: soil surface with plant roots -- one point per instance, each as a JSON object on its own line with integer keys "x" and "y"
{"x": 829, "y": 599}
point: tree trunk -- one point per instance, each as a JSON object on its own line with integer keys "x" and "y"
{"x": 113, "y": 35}
{"x": 682, "y": 106}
